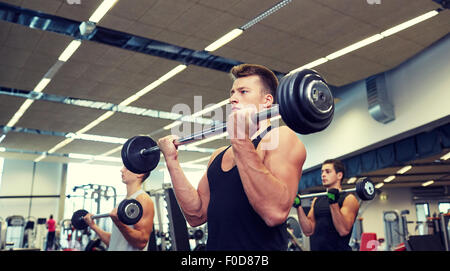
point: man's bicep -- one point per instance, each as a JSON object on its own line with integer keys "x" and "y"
{"x": 146, "y": 222}
{"x": 350, "y": 209}
{"x": 204, "y": 193}
{"x": 286, "y": 163}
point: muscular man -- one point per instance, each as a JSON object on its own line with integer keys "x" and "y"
{"x": 330, "y": 219}
{"x": 129, "y": 237}
{"x": 248, "y": 188}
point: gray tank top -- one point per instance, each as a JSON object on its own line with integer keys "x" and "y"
{"x": 117, "y": 242}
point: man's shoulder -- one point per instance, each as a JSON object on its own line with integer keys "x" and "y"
{"x": 285, "y": 138}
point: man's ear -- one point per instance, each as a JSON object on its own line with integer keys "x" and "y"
{"x": 340, "y": 175}
{"x": 268, "y": 101}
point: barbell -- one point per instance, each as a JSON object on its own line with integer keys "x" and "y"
{"x": 305, "y": 103}
{"x": 364, "y": 188}
{"x": 129, "y": 212}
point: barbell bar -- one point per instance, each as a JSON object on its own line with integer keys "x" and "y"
{"x": 364, "y": 188}
{"x": 129, "y": 212}
{"x": 305, "y": 103}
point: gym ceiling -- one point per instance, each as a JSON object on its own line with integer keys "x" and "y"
{"x": 99, "y": 72}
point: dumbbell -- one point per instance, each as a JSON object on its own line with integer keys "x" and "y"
{"x": 129, "y": 212}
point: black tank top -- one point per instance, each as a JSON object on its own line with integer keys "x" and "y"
{"x": 233, "y": 224}
{"x": 325, "y": 235}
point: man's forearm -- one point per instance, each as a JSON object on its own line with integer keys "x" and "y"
{"x": 186, "y": 194}
{"x": 342, "y": 226}
{"x": 103, "y": 235}
{"x": 305, "y": 222}
{"x": 264, "y": 191}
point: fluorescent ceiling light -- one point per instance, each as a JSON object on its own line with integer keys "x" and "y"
{"x": 154, "y": 84}
{"x": 42, "y": 84}
{"x": 106, "y": 115}
{"x": 192, "y": 166}
{"x": 388, "y": 179}
{"x": 211, "y": 108}
{"x": 404, "y": 169}
{"x": 60, "y": 145}
{"x": 195, "y": 148}
{"x": 2, "y": 137}
{"x": 369, "y": 40}
{"x": 209, "y": 139}
{"x": 354, "y": 46}
{"x": 104, "y": 7}
{"x": 206, "y": 158}
{"x": 224, "y": 39}
{"x": 379, "y": 185}
{"x": 19, "y": 113}
{"x": 111, "y": 151}
{"x": 409, "y": 23}
{"x": 98, "y": 138}
{"x": 172, "y": 73}
{"x": 80, "y": 156}
{"x": 445, "y": 157}
{"x": 68, "y": 52}
{"x": 42, "y": 156}
{"x": 95, "y": 122}
{"x": 311, "y": 65}
{"x": 94, "y": 157}
{"x": 430, "y": 182}
{"x": 107, "y": 158}
{"x": 351, "y": 180}
{"x": 199, "y": 113}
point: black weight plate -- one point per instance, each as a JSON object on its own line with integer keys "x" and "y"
{"x": 283, "y": 107}
{"x": 78, "y": 221}
{"x": 287, "y": 102}
{"x": 301, "y": 124}
{"x": 314, "y": 124}
{"x": 319, "y": 106}
{"x": 365, "y": 189}
{"x": 132, "y": 158}
{"x": 129, "y": 211}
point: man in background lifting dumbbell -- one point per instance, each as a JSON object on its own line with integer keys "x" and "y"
{"x": 133, "y": 237}
{"x": 248, "y": 189}
{"x": 330, "y": 219}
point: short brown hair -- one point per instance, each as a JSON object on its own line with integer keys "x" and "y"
{"x": 268, "y": 78}
{"x": 338, "y": 166}
{"x": 146, "y": 175}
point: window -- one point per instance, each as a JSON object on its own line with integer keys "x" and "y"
{"x": 422, "y": 211}
{"x": 444, "y": 207}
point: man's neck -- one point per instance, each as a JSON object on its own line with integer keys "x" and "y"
{"x": 336, "y": 186}
{"x": 133, "y": 188}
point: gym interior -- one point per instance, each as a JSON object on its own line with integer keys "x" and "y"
{"x": 78, "y": 78}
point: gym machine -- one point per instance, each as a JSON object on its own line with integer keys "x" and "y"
{"x": 395, "y": 227}
{"x": 177, "y": 236}
{"x": 398, "y": 237}
{"x": 295, "y": 235}
{"x": 14, "y": 232}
